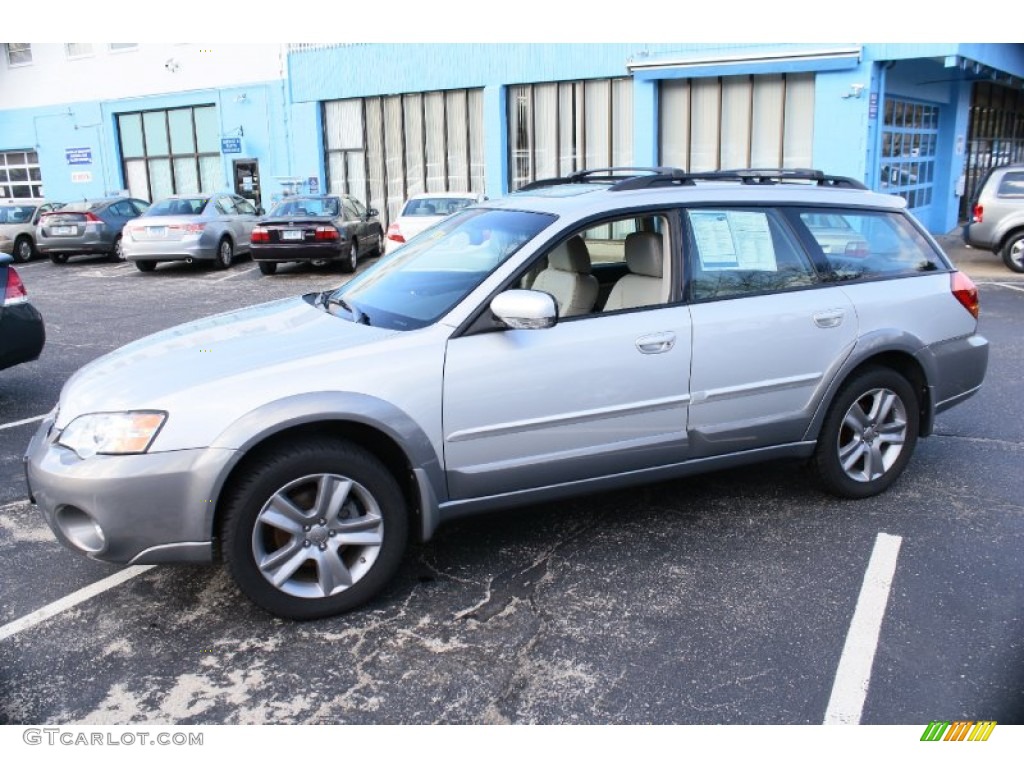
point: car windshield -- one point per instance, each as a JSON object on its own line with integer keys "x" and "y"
{"x": 307, "y": 206}
{"x": 178, "y": 206}
{"x": 436, "y": 270}
{"x": 435, "y": 206}
{"x": 16, "y": 214}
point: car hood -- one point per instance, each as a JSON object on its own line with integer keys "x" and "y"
{"x": 218, "y": 364}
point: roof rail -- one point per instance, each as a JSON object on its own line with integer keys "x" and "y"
{"x": 626, "y": 178}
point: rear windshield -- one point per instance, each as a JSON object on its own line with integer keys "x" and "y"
{"x": 190, "y": 206}
{"x": 16, "y": 214}
{"x": 436, "y": 206}
{"x": 307, "y": 206}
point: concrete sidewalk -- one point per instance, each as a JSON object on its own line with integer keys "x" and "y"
{"x": 979, "y": 265}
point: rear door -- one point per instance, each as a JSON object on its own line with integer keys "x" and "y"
{"x": 768, "y": 334}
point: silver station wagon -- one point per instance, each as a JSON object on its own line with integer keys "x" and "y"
{"x": 616, "y": 327}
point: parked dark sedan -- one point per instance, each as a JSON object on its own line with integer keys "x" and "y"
{"x": 317, "y": 229}
{"x": 22, "y": 333}
{"x": 87, "y": 226}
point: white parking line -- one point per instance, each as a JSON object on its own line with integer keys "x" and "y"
{"x": 853, "y": 676}
{"x": 1010, "y": 286}
{"x": 234, "y": 273}
{"x": 58, "y": 606}
{"x": 13, "y": 424}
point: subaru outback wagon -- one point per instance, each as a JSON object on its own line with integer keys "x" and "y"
{"x": 610, "y": 328}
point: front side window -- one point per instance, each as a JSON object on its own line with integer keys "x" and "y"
{"x": 434, "y": 272}
{"x": 742, "y": 251}
{"x": 870, "y": 244}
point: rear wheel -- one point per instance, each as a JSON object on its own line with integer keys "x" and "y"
{"x": 268, "y": 267}
{"x": 225, "y": 254}
{"x": 869, "y": 434}
{"x": 314, "y": 529}
{"x": 24, "y": 249}
{"x": 117, "y": 254}
{"x": 351, "y": 263}
{"x": 1013, "y": 252}
{"x": 145, "y": 266}
{"x": 59, "y": 258}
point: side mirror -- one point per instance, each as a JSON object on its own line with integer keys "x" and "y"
{"x": 525, "y": 310}
{"x": 372, "y": 212}
{"x": 260, "y": 211}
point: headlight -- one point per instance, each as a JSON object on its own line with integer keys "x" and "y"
{"x": 112, "y": 433}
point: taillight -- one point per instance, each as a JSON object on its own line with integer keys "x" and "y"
{"x": 194, "y": 229}
{"x": 966, "y": 292}
{"x": 92, "y": 218}
{"x": 326, "y": 233}
{"x": 978, "y": 214}
{"x": 15, "y": 293}
{"x": 260, "y": 235}
{"x": 395, "y": 234}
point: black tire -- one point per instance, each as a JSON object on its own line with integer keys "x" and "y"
{"x": 378, "y": 249}
{"x": 24, "y": 249}
{"x": 268, "y": 267}
{"x": 225, "y": 254}
{"x": 1013, "y": 252}
{"x": 292, "y": 541}
{"x": 117, "y": 253}
{"x": 145, "y": 266}
{"x": 869, "y": 434}
{"x": 351, "y": 262}
{"x": 59, "y": 258}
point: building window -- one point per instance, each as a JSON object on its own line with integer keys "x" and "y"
{"x": 745, "y": 121}
{"x": 383, "y": 149}
{"x": 78, "y": 50}
{"x": 18, "y": 53}
{"x": 995, "y": 135}
{"x": 557, "y": 128}
{"x": 910, "y": 135}
{"x": 19, "y": 174}
{"x": 171, "y": 151}
{"x": 119, "y": 47}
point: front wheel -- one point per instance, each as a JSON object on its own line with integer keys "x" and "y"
{"x": 117, "y": 253}
{"x": 869, "y": 434}
{"x": 1013, "y": 252}
{"x": 268, "y": 267}
{"x": 314, "y": 529}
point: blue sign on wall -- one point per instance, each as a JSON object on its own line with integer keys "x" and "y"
{"x": 313, "y": 183}
{"x": 79, "y": 155}
{"x": 231, "y": 146}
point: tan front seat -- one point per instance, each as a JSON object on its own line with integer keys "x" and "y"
{"x": 643, "y": 286}
{"x": 568, "y": 278}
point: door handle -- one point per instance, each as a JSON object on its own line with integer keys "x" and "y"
{"x": 656, "y": 343}
{"x": 830, "y": 318}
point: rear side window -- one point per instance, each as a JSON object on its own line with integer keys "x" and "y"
{"x": 870, "y": 244}
{"x": 1012, "y": 185}
{"x": 737, "y": 252}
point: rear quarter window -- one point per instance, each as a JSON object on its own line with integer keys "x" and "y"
{"x": 870, "y": 244}
{"x": 1012, "y": 185}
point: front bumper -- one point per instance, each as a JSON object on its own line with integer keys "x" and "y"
{"x": 140, "y": 509}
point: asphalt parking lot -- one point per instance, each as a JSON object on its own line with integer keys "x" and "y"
{"x": 721, "y": 599}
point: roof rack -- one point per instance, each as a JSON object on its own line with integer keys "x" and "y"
{"x": 644, "y": 178}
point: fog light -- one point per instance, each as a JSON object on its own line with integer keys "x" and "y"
{"x": 80, "y": 529}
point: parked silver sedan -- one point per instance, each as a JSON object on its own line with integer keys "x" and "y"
{"x": 203, "y": 227}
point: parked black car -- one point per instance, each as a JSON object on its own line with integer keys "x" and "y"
{"x": 318, "y": 229}
{"x": 87, "y": 226}
{"x": 22, "y": 333}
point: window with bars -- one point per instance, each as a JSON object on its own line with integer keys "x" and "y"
{"x": 383, "y": 149}
{"x": 557, "y": 128}
{"x": 171, "y": 151}
{"x": 78, "y": 50}
{"x": 995, "y": 135}
{"x": 910, "y": 134}
{"x": 18, "y": 53}
{"x": 20, "y": 175}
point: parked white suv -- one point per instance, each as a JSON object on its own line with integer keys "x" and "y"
{"x": 587, "y": 333}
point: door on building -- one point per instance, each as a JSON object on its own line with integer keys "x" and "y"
{"x": 247, "y": 181}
